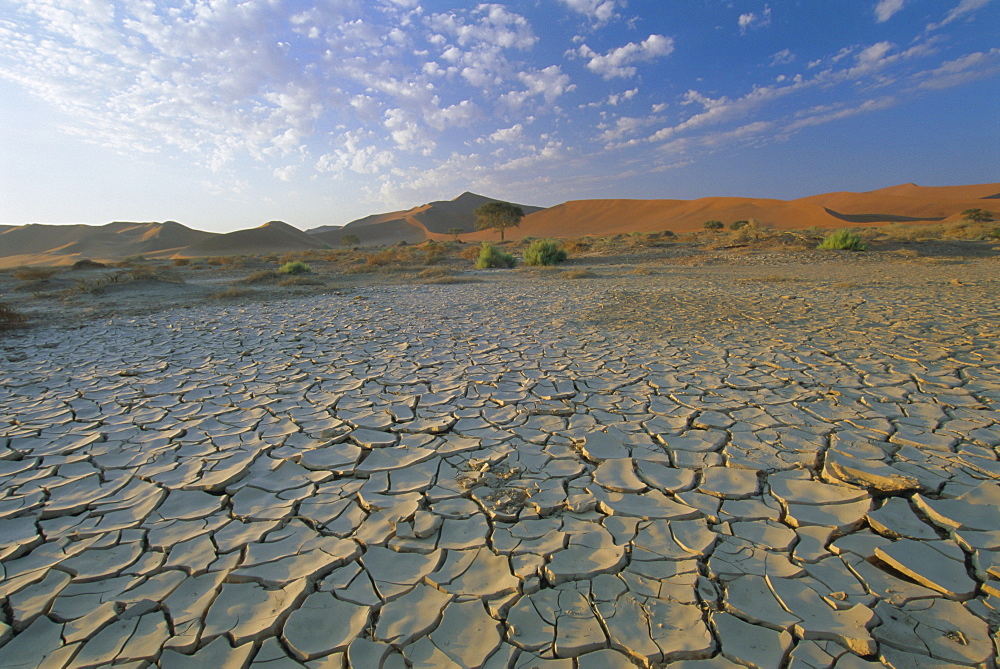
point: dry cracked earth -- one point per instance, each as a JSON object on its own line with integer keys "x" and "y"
{"x": 599, "y": 473}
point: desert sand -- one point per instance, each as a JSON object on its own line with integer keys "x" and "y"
{"x": 34, "y": 245}
{"x": 710, "y": 459}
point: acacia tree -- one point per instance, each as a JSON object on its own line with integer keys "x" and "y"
{"x": 455, "y": 232}
{"x": 498, "y": 216}
{"x": 349, "y": 240}
{"x": 977, "y": 215}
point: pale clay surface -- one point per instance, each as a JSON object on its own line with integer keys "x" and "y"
{"x": 603, "y": 473}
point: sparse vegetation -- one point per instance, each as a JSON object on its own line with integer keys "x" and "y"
{"x": 544, "y": 252}
{"x": 736, "y": 225}
{"x": 10, "y": 318}
{"x": 181, "y": 262}
{"x": 455, "y": 232}
{"x": 295, "y": 267}
{"x": 713, "y": 225}
{"x": 350, "y": 240}
{"x": 842, "y": 240}
{"x": 498, "y": 216}
{"x": 492, "y": 257}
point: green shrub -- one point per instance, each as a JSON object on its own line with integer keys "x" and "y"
{"x": 491, "y": 256}
{"x": 736, "y": 225}
{"x": 842, "y": 240}
{"x": 295, "y": 267}
{"x": 544, "y": 252}
{"x": 713, "y": 225}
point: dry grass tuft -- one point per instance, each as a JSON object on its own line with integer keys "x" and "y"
{"x": 34, "y": 273}
{"x": 441, "y": 275}
{"x": 263, "y": 276}
{"x": 226, "y": 261}
{"x": 579, "y": 274}
{"x": 232, "y": 293}
{"x": 10, "y": 318}
{"x": 301, "y": 280}
{"x": 770, "y": 278}
{"x": 575, "y": 246}
{"x": 470, "y": 253}
{"x": 390, "y": 256}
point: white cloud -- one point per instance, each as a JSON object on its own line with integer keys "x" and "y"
{"x": 619, "y": 62}
{"x": 549, "y": 82}
{"x": 286, "y": 173}
{"x": 493, "y": 26}
{"x": 964, "y": 7}
{"x": 600, "y": 11}
{"x": 783, "y": 57}
{"x": 955, "y": 72}
{"x": 885, "y": 9}
{"x": 515, "y": 133}
{"x": 752, "y": 21}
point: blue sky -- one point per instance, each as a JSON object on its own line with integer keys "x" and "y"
{"x": 224, "y": 114}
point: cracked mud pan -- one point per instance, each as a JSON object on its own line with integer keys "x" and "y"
{"x": 500, "y": 476}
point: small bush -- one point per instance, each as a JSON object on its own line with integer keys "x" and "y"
{"x": 181, "y": 262}
{"x": 842, "y": 240}
{"x": 34, "y": 274}
{"x": 713, "y": 225}
{"x": 87, "y": 264}
{"x": 736, "y": 225}
{"x": 295, "y": 267}
{"x": 9, "y": 318}
{"x": 544, "y": 252}
{"x": 491, "y": 256}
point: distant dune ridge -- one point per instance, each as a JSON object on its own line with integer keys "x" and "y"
{"x": 37, "y": 244}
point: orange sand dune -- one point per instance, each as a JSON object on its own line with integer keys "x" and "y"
{"x": 599, "y": 217}
{"x": 273, "y": 237}
{"x": 65, "y": 244}
{"x": 906, "y": 203}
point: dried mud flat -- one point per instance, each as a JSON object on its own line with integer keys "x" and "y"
{"x": 764, "y": 462}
